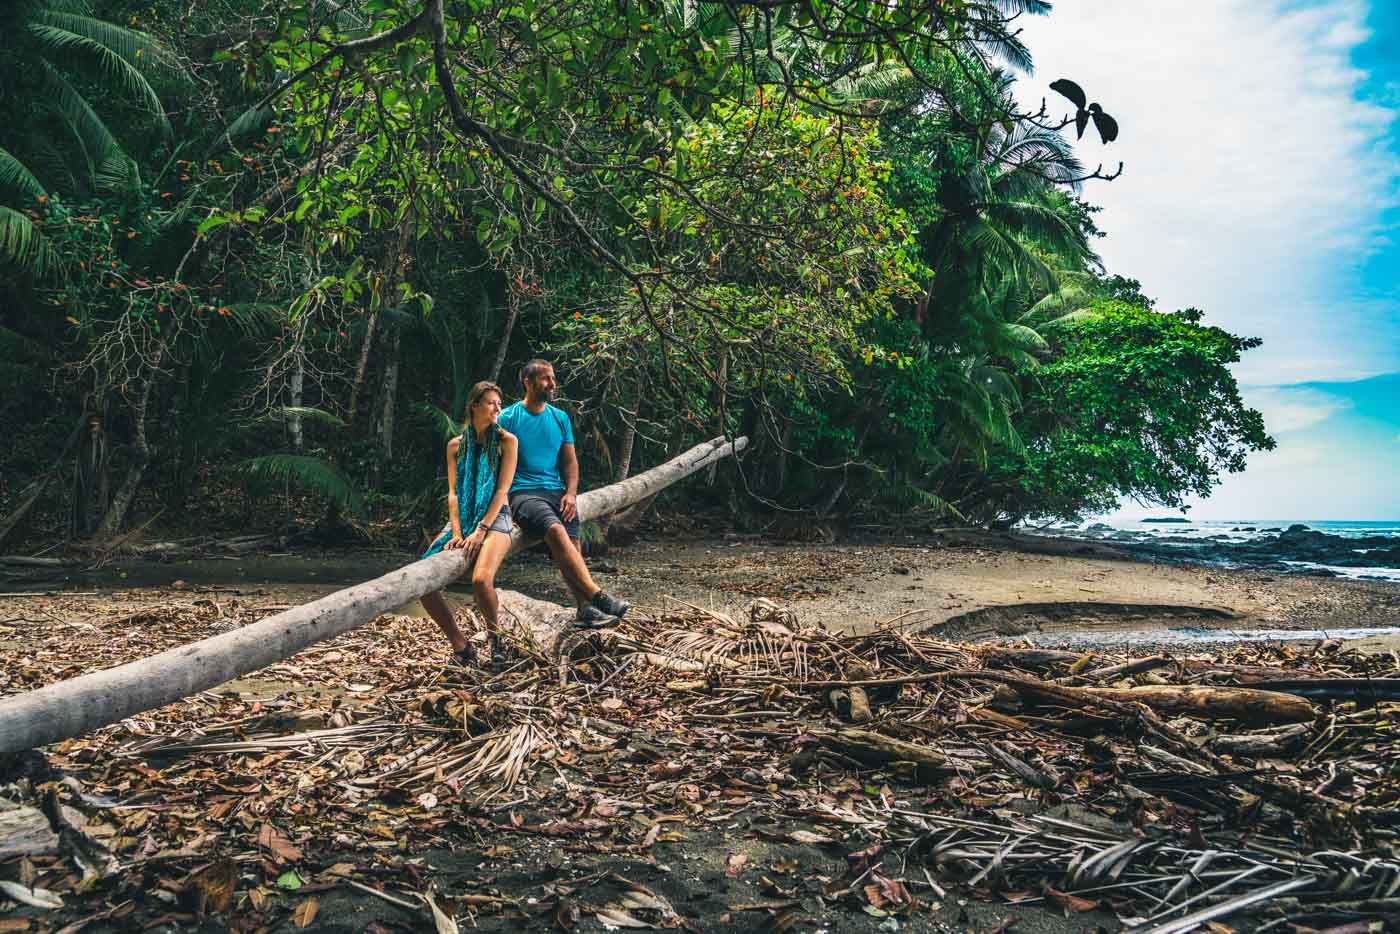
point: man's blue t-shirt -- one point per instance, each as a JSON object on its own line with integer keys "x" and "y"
{"x": 541, "y": 437}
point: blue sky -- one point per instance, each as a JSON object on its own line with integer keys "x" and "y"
{"x": 1262, "y": 183}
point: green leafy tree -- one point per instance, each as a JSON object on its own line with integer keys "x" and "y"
{"x": 1135, "y": 404}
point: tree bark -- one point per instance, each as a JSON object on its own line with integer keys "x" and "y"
{"x": 80, "y": 704}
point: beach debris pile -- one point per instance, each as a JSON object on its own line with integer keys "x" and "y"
{"x": 692, "y": 769}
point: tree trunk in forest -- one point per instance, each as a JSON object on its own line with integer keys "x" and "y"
{"x": 294, "y": 418}
{"x": 92, "y": 475}
{"x": 721, "y": 400}
{"x": 394, "y": 265}
{"x": 31, "y": 494}
{"x": 784, "y": 445}
{"x": 80, "y": 704}
{"x": 513, "y": 302}
{"x": 115, "y": 516}
{"x": 390, "y": 395}
{"x": 358, "y": 384}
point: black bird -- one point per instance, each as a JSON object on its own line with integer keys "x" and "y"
{"x": 1084, "y": 112}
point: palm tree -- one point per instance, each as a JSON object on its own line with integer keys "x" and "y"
{"x": 1004, "y": 218}
{"x": 60, "y": 143}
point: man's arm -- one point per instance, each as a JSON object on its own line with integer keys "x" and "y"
{"x": 568, "y": 472}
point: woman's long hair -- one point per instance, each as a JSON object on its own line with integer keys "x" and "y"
{"x": 491, "y": 443}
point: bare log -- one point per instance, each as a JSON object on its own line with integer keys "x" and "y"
{"x": 72, "y": 707}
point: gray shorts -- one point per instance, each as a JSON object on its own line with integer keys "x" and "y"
{"x": 502, "y": 521}
{"x": 537, "y": 510}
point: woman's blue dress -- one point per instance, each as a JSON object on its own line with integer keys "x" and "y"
{"x": 476, "y": 484}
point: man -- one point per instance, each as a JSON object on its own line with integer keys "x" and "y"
{"x": 544, "y": 495}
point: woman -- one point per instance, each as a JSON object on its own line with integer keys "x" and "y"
{"x": 480, "y": 468}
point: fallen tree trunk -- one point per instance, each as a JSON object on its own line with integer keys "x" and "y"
{"x": 75, "y": 706}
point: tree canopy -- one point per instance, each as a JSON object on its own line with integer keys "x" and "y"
{"x": 269, "y": 248}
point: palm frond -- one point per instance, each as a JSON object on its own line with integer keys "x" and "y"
{"x": 21, "y": 243}
{"x": 255, "y": 318}
{"x": 124, "y": 55}
{"x": 437, "y": 421}
{"x": 16, "y": 177}
{"x": 307, "y": 472}
{"x": 106, "y": 159}
{"x": 250, "y": 122}
{"x": 305, "y": 412}
{"x": 1023, "y": 337}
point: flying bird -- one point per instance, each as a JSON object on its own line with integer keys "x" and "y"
{"x": 1106, "y": 126}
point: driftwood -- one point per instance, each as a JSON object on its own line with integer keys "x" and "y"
{"x": 1206, "y": 703}
{"x": 877, "y": 749}
{"x": 75, "y": 706}
{"x": 24, "y": 831}
{"x": 1263, "y": 745}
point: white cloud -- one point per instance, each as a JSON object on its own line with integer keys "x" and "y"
{"x": 1255, "y": 177}
{"x": 1288, "y": 409}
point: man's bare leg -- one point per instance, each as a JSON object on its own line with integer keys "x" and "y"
{"x": 568, "y": 557}
{"x": 441, "y": 613}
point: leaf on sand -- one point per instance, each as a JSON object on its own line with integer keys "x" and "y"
{"x": 290, "y": 880}
{"x": 566, "y": 914}
{"x": 34, "y": 898}
{"x": 1068, "y": 902}
{"x": 807, "y": 836}
{"x": 614, "y": 918}
{"x": 441, "y": 921}
{"x": 215, "y": 884}
{"x": 282, "y": 849}
{"x": 734, "y": 865}
{"x": 305, "y": 913}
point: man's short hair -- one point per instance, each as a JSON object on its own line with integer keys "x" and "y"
{"x": 534, "y": 366}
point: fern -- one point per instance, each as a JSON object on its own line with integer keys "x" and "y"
{"x": 312, "y": 474}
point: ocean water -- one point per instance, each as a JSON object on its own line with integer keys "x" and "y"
{"x": 1360, "y": 549}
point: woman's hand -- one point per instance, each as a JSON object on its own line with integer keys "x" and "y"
{"x": 454, "y": 543}
{"x": 472, "y": 543}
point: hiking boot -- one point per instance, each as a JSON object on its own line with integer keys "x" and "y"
{"x": 590, "y": 617}
{"x": 606, "y": 603}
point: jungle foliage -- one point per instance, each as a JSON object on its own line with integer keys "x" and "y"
{"x": 272, "y": 245}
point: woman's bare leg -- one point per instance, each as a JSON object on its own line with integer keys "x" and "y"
{"x": 488, "y": 562}
{"x": 437, "y": 608}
